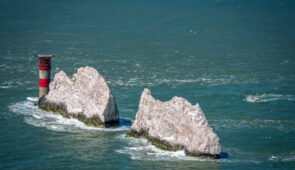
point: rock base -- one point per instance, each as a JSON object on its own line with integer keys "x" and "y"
{"x": 60, "y": 109}
{"x": 165, "y": 146}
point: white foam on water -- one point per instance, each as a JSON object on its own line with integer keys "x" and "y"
{"x": 6, "y": 87}
{"x": 284, "y": 62}
{"x": 290, "y": 157}
{"x": 268, "y": 98}
{"x": 33, "y": 99}
{"x": 272, "y": 158}
{"x": 137, "y": 65}
{"x": 36, "y": 117}
{"x": 141, "y": 149}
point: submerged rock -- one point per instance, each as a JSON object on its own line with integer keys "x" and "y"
{"x": 86, "y": 96}
{"x": 175, "y": 125}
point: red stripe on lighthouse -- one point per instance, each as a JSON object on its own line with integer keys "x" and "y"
{"x": 44, "y": 82}
{"x": 41, "y": 67}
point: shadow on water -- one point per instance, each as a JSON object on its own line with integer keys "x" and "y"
{"x": 122, "y": 122}
{"x": 224, "y": 155}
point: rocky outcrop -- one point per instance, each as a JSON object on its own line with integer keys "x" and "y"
{"x": 86, "y": 96}
{"x": 175, "y": 125}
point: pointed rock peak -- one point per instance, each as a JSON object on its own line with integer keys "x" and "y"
{"x": 146, "y": 91}
{"x": 146, "y": 96}
{"x": 177, "y": 99}
{"x": 86, "y": 69}
{"x": 61, "y": 74}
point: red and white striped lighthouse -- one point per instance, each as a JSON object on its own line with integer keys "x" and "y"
{"x": 44, "y": 74}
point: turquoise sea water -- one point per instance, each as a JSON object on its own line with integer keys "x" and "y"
{"x": 216, "y": 53}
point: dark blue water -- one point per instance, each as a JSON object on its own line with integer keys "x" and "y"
{"x": 216, "y": 53}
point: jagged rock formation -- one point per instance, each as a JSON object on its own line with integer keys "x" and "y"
{"x": 86, "y": 96}
{"x": 175, "y": 125}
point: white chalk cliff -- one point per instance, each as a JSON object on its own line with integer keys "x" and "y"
{"x": 175, "y": 125}
{"x": 86, "y": 96}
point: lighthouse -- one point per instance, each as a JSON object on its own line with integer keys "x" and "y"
{"x": 44, "y": 74}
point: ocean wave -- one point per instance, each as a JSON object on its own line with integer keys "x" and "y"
{"x": 141, "y": 149}
{"x": 4, "y": 67}
{"x": 208, "y": 81}
{"x": 268, "y": 98}
{"x": 284, "y": 62}
{"x": 33, "y": 99}
{"x": 36, "y": 117}
{"x": 285, "y": 126}
{"x": 8, "y": 84}
{"x": 290, "y": 157}
{"x": 14, "y": 84}
{"x": 6, "y": 87}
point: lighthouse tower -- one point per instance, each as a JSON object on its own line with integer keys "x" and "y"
{"x": 44, "y": 74}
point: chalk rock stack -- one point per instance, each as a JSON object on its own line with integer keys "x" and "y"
{"x": 175, "y": 125}
{"x": 86, "y": 96}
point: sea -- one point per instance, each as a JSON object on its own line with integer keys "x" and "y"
{"x": 236, "y": 58}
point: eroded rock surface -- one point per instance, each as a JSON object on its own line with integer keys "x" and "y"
{"x": 86, "y": 96}
{"x": 175, "y": 125}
